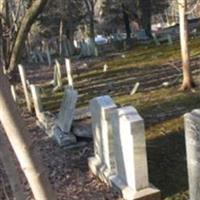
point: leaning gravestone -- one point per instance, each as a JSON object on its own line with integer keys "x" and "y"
{"x": 62, "y": 128}
{"x": 192, "y": 138}
{"x": 130, "y": 153}
{"x": 102, "y": 164}
{"x": 67, "y": 109}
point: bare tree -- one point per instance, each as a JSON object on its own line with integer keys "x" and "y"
{"x": 12, "y": 49}
{"x": 20, "y": 141}
{"x": 187, "y": 83}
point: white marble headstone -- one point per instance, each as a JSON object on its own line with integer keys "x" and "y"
{"x": 102, "y": 164}
{"x": 130, "y": 154}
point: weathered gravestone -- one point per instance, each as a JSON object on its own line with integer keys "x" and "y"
{"x": 102, "y": 164}
{"x": 192, "y": 138}
{"x": 67, "y": 109}
{"x": 130, "y": 153}
{"x": 62, "y": 128}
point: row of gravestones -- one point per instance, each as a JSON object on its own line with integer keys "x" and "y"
{"x": 120, "y": 150}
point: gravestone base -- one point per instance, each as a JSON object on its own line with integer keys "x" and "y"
{"x": 149, "y": 193}
{"x": 63, "y": 139}
{"x": 99, "y": 170}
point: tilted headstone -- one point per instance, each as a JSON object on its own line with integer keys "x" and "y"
{"x": 192, "y": 138}
{"x": 102, "y": 164}
{"x": 67, "y": 110}
{"x": 130, "y": 154}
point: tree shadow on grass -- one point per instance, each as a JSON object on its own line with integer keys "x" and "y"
{"x": 167, "y": 163}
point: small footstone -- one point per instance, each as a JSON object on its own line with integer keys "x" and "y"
{"x": 63, "y": 139}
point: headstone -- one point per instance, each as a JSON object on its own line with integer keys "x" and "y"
{"x": 103, "y": 163}
{"x": 25, "y": 87}
{"x": 57, "y": 74}
{"x": 105, "y": 68}
{"x": 13, "y": 92}
{"x": 157, "y": 42}
{"x": 170, "y": 41}
{"x": 67, "y": 110}
{"x": 69, "y": 72}
{"x": 130, "y": 154}
{"x": 192, "y": 138}
{"x": 48, "y": 55}
{"x": 35, "y": 91}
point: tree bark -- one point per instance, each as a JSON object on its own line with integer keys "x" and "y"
{"x": 20, "y": 141}
{"x": 145, "y": 16}
{"x": 187, "y": 83}
{"x": 10, "y": 167}
{"x": 27, "y": 21}
{"x": 126, "y": 22}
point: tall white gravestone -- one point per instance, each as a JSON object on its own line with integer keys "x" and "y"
{"x": 103, "y": 163}
{"x": 131, "y": 159}
{"x": 192, "y": 139}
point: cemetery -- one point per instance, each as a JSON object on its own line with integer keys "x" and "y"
{"x": 112, "y": 114}
{"x": 114, "y": 125}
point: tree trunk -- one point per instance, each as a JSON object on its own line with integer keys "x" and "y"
{"x": 145, "y": 16}
{"x": 27, "y": 21}
{"x": 126, "y": 22}
{"x": 21, "y": 142}
{"x": 4, "y": 30}
{"x": 187, "y": 83}
{"x": 10, "y": 167}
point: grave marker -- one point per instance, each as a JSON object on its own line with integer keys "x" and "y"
{"x": 25, "y": 87}
{"x": 192, "y": 139}
{"x": 130, "y": 154}
{"x": 67, "y": 110}
{"x": 35, "y": 91}
{"x": 13, "y": 92}
{"x": 69, "y": 72}
{"x": 102, "y": 164}
{"x": 57, "y": 74}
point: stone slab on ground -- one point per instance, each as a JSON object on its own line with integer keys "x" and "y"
{"x": 63, "y": 139}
